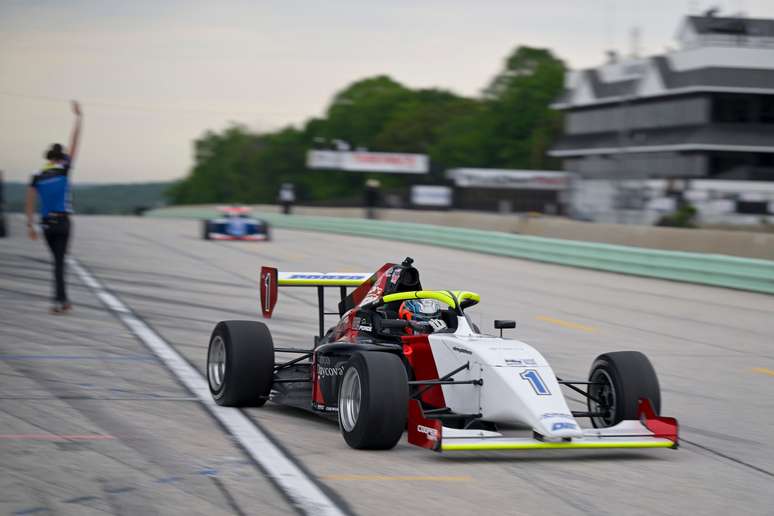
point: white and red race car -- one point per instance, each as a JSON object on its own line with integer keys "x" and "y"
{"x": 235, "y": 223}
{"x": 453, "y": 387}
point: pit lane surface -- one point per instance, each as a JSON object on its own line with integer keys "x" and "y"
{"x": 160, "y": 452}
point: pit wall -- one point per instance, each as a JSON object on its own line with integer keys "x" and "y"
{"x": 733, "y": 243}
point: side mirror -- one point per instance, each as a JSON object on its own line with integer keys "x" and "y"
{"x": 504, "y": 325}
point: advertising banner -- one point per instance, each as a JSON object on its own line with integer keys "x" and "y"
{"x": 431, "y": 195}
{"x": 323, "y": 159}
{"x": 516, "y": 179}
{"x": 356, "y": 161}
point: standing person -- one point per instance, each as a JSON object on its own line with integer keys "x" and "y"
{"x": 371, "y": 197}
{"x": 287, "y": 196}
{"x": 51, "y": 186}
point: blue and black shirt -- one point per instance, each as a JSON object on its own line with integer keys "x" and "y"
{"x": 53, "y": 186}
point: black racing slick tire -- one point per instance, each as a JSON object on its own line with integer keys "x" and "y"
{"x": 240, "y": 363}
{"x": 267, "y": 228}
{"x": 617, "y": 382}
{"x": 206, "y": 229}
{"x": 373, "y": 400}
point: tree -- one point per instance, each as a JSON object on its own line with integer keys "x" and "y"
{"x": 510, "y": 126}
{"x": 358, "y": 113}
{"x": 519, "y": 98}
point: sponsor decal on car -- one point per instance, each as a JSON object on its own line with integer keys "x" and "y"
{"x": 362, "y": 324}
{"x": 324, "y": 408}
{"x": 326, "y": 369}
{"x": 520, "y": 362}
{"x": 328, "y": 276}
{"x": 337, "y": 370}
{"x": 395, "y": 276}
{"x": 550, "y": 415}
{"x": 431, "y": 433}
{"x": 373, "y": 295}
{"x": 563, "y": 426}
{"x": 462, "y": 350}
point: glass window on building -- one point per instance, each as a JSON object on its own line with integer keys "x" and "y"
{"x": 767, "y": 109}
{"x": 732, "y": 108}
{"x": 737, "y": 108}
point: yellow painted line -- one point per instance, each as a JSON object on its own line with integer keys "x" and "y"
{"x": 763, "y": 370}
{"x": 567, "y": 324}
{"x": 427, "y": 478}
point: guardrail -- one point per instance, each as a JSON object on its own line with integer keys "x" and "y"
{"x": 707, "y": 269}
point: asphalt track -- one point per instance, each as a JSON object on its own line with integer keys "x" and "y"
{"x": 92, "y": 422}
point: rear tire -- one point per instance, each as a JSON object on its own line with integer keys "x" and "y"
{"x": 373, "y": 401}
{"x": 240, "y": 363}
{"x": 625, "y": 377}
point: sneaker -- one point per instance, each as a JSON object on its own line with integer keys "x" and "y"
{"x": 60, "y": 308}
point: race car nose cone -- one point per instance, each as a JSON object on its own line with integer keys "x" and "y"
{"x": 559, "y": 427}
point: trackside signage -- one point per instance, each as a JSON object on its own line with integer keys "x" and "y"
{"x": 516, "y": 179}
{"x": 355, "y": 161}
{"x": 431, "y": 195}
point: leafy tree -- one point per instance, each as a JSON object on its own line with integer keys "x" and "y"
{"x": 510, "y": 126}
{"x": 358, "y": 113}
{"x": 523, "y": 125}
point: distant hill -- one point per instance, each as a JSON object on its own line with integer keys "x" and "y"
{"x": 118, "y": 199}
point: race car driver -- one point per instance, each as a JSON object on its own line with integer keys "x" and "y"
{"x": 424, "y": 315}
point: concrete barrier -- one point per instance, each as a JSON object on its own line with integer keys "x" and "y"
{"x": 709, "y": 269}
{"x": 733, "y": 243}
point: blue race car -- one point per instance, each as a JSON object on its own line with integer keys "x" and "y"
{"x": 235, "y": 224}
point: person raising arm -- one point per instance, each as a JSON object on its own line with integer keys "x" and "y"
{"x": 51, "y": 187}
{"x": 76, "y": 132}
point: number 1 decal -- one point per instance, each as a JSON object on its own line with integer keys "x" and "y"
{"x": 536, "y": 382}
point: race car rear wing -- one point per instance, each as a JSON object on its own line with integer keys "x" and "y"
{"x": 234, "y": 210}
{"x": 271, "y": 280}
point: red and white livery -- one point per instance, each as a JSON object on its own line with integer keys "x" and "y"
{"x": 453, "y": 387}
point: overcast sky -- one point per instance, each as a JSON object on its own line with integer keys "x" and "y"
{"x": 154, "y": 75}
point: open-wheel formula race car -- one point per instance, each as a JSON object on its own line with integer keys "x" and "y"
{"x": 403, "y": 357}
{"x": 235, "y": 223}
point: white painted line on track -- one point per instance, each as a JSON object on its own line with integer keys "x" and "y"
{"x": 294, "y": 482}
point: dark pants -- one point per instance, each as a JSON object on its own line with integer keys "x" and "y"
{"x": 57, "y": 232}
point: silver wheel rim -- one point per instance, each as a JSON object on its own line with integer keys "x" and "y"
{"x": 349, "y": 399}
{"x": 216, "y": 363}
{"x": 606, "y": 401}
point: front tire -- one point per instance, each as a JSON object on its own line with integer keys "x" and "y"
{"x": 373, "y": 401}
{"x": 206, "y": 229}
{"x": 618, "y": 381}
{"x": 240, "y": 363}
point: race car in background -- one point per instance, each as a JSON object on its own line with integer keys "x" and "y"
{"x": 452, "y": 386}
{"x": 235, "y": 223}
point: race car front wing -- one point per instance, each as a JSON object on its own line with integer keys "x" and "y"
{"x": 649, "y": 431}
{"x": 249, "y": 237}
